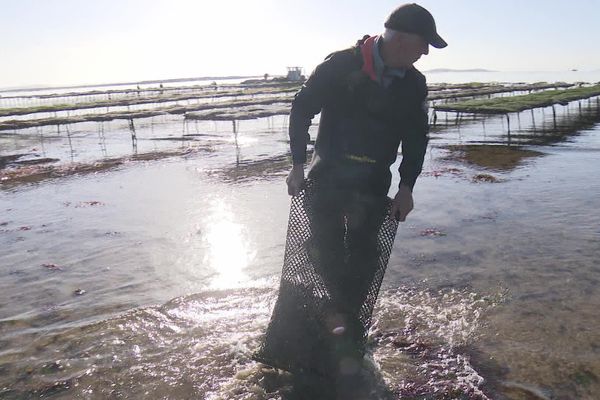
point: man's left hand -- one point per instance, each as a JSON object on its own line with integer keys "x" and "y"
{"x": 402, "y": 203}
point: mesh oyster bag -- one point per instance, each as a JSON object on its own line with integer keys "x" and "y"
{"x": 319, "y": 291}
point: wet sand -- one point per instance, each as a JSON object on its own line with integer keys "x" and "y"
{"x": 156, "y": 278}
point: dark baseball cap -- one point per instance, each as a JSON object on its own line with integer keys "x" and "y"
{"x": 412, "y": 18}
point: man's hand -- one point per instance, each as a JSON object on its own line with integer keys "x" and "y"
{"x": 295, "y": 179}
{"x": 402, "y": 204}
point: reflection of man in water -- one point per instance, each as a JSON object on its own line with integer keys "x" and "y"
{"x": 371, "y": 99}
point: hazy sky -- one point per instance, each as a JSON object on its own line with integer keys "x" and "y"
{"x": 74, "y": 41}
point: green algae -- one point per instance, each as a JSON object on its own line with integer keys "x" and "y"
{"x": 505, "y": 105}
{"x": 154, "y": 99}
{"x": 242, "y": 113}
{"x": 260, "y": 102}
{"x": 467, "y": 85}
{"x": 154, "y": 95}
{"x": 487, "y": 90}
{"x": 156, "y": 89}
{"x": 130, "y": 115}
{"x": 584, "y": 377}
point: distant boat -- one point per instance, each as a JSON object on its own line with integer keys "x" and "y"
{"x": 574, "y": 70}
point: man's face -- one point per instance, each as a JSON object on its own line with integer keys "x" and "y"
{"x": 406, "y": 49}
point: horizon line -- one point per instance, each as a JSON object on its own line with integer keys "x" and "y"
{"x": 36, "y": 87}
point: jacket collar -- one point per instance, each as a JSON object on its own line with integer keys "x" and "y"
{"x": 373, "y": 64}
{"x": 366, "y": 50}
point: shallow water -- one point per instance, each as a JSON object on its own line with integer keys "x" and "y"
{"x": 491, "y": 291}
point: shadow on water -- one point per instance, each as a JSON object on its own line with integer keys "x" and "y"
{"x": 252, "y": 170}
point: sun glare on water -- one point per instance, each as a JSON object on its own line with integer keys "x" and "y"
{"x": 228, "y": 250}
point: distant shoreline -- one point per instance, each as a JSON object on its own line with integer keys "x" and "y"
{"x": 155, "y": 81}
{"x": 436, "y": 70}
{"x": 214, "y": 78}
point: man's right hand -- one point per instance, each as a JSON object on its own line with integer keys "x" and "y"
{"x": 295, "y": 179}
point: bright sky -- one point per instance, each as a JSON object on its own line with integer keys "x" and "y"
{"x": 64, "y": 42}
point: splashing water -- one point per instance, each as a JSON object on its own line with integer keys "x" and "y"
{"x": 200, "y": 346}
{"x": 419, "y": 337}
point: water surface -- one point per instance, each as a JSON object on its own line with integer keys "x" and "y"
{"x": 156, "y": 278}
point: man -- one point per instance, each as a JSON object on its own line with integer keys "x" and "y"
{"x": 371, "y": 100}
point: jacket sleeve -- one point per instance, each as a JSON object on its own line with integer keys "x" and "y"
{"x": 307, "y": 103}
{"x": 414, "y": 142}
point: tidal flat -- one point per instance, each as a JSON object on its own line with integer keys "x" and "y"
{"x": 145, "y": 265}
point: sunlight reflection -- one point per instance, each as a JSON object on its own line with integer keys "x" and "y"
{"x": 228, "y": 252}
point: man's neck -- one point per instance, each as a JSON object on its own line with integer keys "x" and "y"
{"x": 384, "y": 51}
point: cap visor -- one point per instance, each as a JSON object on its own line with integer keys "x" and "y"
{"x": 437, "y": 42}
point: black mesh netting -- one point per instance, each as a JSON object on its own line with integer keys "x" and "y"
{"x": 337, "y": 250}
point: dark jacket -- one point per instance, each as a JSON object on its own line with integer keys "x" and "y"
{"x": 362, "y": 123}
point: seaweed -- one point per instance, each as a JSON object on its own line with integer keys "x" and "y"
{"x": 505, "y": 105}
{"x": 154, "y": 99}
